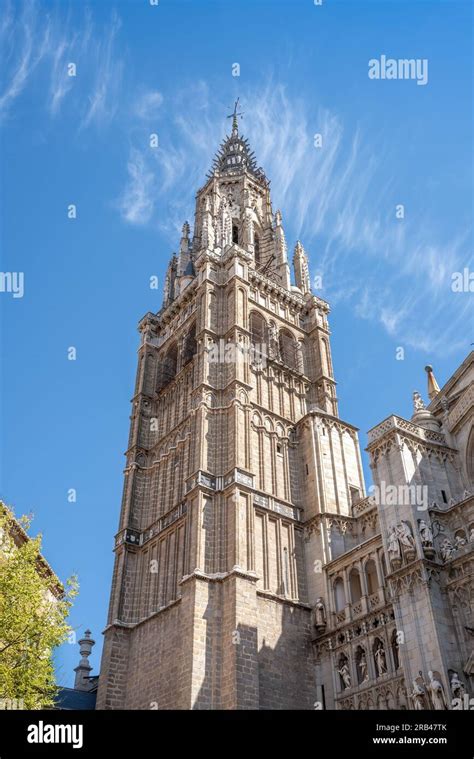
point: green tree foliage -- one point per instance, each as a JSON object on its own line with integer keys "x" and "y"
{"x": 33, "y": 610}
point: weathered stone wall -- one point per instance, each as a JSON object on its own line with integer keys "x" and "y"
{"x": 285, "y": 659}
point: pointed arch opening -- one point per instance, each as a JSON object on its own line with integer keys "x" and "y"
{"x": 355, "y": 585}
{"x": 168, "y": 367}
{"x": 288, "y": 348}
{"x": 189, "y": 345}
{"x": 339, "y": 595}
{"x": 258, "y": 330}
{"x": 371, "y": 577}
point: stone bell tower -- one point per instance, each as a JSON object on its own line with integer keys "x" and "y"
{"x": 210, "y": 605}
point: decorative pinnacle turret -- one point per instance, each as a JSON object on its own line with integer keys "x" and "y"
{"x": 83, "y": 668}
{"x": 300, "y": 265}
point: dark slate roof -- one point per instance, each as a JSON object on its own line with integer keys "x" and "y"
{"x": 77, "y": 700}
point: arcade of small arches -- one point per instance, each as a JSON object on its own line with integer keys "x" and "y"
{"x": 358, "y": 589}
{"x": 280, "y": 344}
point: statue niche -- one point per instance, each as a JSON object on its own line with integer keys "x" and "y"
{"x": 318, "y": 617}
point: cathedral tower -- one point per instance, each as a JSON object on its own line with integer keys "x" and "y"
{"x": 235, "y": 446}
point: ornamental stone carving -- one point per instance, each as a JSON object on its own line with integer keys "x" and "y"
{"x": 426, "y": 536}
{"x": 438, "y": 697}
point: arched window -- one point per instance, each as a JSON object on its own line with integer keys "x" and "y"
{"x": 256, "y": 248}
{"x": 235, "y": 234}
{"x": 287, "y": 345}
{"x": 356, "y": 589}
{"x": 189, "y": 345}
{"x": 258, "y": 330}
{"x": 339, "y": 595}
{"x": 168, "y": 367}
{"x": 371, "y": 577}
{"x": 258, "y": 339}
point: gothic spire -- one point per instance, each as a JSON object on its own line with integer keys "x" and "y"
{"x": 433, "y": 387}
{"x": 235, "y": 155}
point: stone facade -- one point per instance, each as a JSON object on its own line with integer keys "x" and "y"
{"x": 251, "y": 569}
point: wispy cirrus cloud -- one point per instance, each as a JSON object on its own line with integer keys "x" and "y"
{"x": 136, "y": 204}
{"x": 338, "y": 198}
{"x": 108, "y": 68}
{"x": 24, "y": 43}
{"x": 148, "y": 104}
{"x": 34, "y": 43}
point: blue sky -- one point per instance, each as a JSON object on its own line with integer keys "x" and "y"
{"x": 84, "y": 140}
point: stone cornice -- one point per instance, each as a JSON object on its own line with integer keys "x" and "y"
{"x": 395, "y": 424}
{"x": 165, "y": 315}
{"x": 335, "y": 420}
{"x": 236, "y": 571}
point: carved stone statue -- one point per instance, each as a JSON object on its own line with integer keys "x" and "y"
{"x": 405, "y": 536}
{"x": 471, "y": 535}
{"x": 346, "y": 675}
{"x": 418, "y": 696}
{"x": 318, "y": 615}
{"x": 437, "y": 693}
{"x": 393, "y": 547}
{"x": 380, "y": 660}
{"x": 418, "y": 402}
{"x": 447, "y": 550}
{"x": 459, "y": 541}
{"x": 364, "y": 671}
{"x": 457, "y": 686}
{"x": 425, "y": 534}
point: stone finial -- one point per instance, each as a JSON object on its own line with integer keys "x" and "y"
{"x": 433, "y": 387}
{"x": 278, "y": 219}
{"x": 83, "y": 668}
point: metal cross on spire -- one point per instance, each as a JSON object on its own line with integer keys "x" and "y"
{"x": 233, "y": 116}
